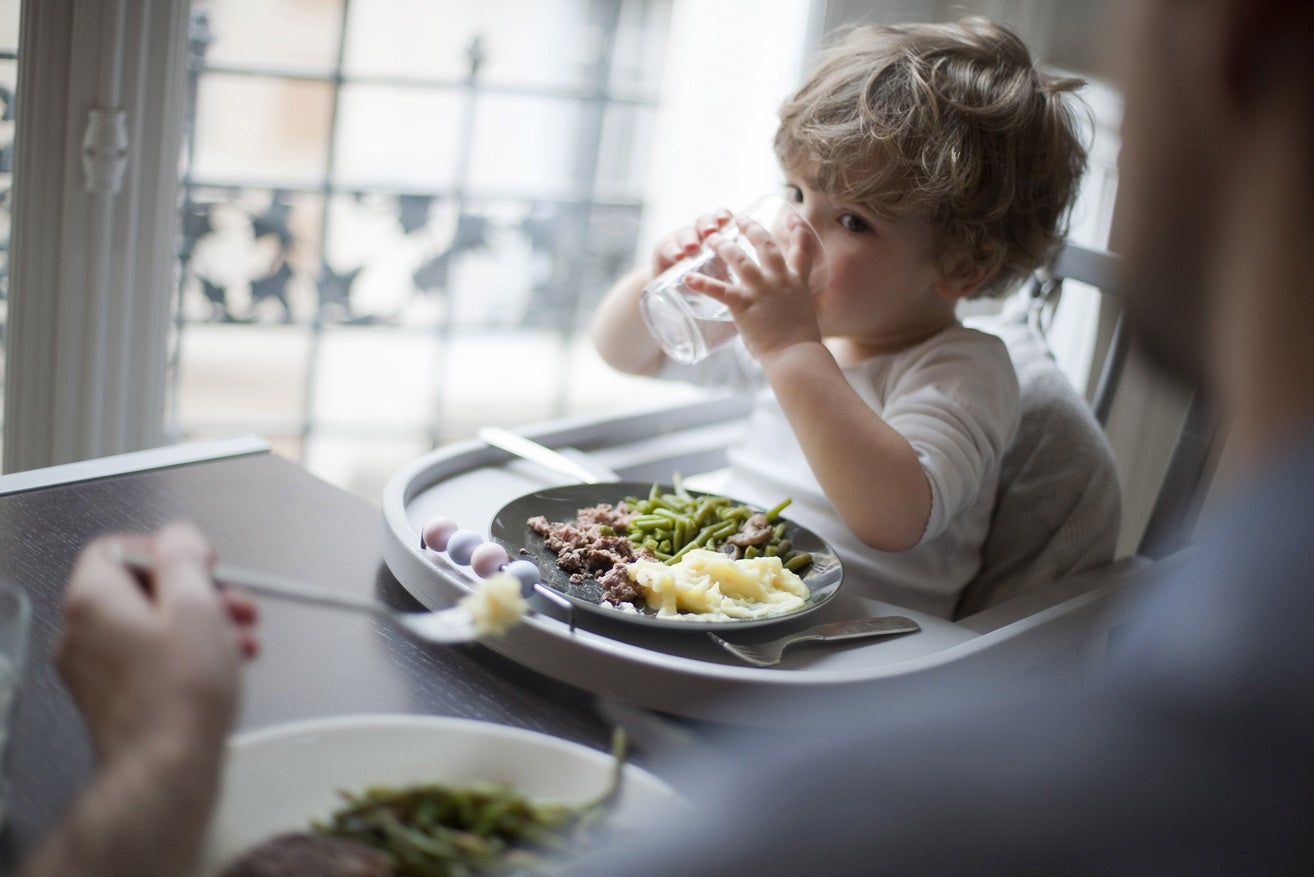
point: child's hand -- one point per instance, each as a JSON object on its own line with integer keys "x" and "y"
{"x": 772, "y": 302}
{"x": 686, "y": 240}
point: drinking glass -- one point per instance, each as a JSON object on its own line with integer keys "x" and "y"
{"x": 690, "y": 326}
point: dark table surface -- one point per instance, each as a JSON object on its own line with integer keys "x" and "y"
{"x": 262, "y": 512}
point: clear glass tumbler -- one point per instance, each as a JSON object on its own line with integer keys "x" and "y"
{"x": 689, "y": 326}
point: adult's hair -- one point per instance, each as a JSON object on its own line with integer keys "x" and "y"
{"x": 951, "y": 123}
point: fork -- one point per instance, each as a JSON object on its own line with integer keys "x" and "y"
{"x": 445, "y": 626}
{"x": 768, "y": 654}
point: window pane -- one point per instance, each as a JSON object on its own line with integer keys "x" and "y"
{"x": 525, "y": 144}
{"x": 397, "y": 138}
{"x": 519, "y": 381}
{"x": 252, "y": 128}
{"x": 361, "y": 464}
{"x": 624, "y": 152}
{"x": 528, "y": 42}
{"x": 9, "y": 25}
{"x": 443, "y": 250}
{"x": 375, "y": 244}
{"x": 254, "y": 375}
{"x": 376, "y": 380}
{"x": 290, "y": 35}
{"x": 251, "y": 256}
{"x": 640, "y": 47}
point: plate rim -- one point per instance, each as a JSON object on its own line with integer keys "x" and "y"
{"x": 667, "y": 680}
{"x": 213, "y": 853}
{"x": 692, "y": 624}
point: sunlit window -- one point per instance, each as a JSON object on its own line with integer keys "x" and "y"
{"x": 398, "y": 215}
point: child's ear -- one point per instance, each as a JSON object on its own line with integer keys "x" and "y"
{"x": 965, "y": 278}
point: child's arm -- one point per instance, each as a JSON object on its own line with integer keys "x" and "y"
{"x": 618, "y": 330}
{"x": 868, "y": 470}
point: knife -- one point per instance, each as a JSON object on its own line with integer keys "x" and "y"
{"x": 528, "y": 449}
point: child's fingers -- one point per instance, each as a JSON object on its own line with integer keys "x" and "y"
{"x": 736, "y": 260}
{"x": 668, "y": 253}
{"x": 689, "y": 240}
{"x": 804, "y": 248}
{"x": 710, "y": 287}
{"x": 709, "y": 223}
{"x": 768, "y": 250}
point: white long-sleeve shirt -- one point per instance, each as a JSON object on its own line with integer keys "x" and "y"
{"x": 953, "y": 396}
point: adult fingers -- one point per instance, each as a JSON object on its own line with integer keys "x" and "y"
{"x": 244, "y": 614}
{"x": 181, "y": 571}
{"x": 102, "y": 595}
{"x": 99, "y": 577}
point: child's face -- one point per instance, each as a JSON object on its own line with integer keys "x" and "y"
{"x": 885, "y": 290}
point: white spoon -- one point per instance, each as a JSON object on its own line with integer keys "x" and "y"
{"x": 446, "y": 626}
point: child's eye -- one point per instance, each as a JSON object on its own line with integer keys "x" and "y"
{"x": 794, "y": 194}
{"x": 854, "y": 223}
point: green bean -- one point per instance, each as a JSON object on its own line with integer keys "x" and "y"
{"x": 671, "y": 523}
{"x": 798, "y": 561}
{"x": 436, "y": 829}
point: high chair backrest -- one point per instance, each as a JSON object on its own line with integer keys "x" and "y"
{"x": 1187, "y": 474}
{"x": 1057, "y": 509}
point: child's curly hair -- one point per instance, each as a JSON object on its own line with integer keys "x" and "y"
{"x": 950, "y": 123}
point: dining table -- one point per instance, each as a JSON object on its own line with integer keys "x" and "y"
{"x": 574, "y": 676}
{"x": 259, "y": 511}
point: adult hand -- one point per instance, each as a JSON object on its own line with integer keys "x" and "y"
{"x": 153, "y": 660}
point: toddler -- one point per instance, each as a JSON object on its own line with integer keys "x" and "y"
{"x": 935, "y": 162}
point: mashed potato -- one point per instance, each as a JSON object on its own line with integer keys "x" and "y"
{"x": 496, "y": 604}
{"x": 710, "y": 586}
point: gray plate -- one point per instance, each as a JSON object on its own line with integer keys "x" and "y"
{"x": 509, "y": 528}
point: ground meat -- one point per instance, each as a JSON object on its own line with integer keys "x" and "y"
{"x": 618, "y": 587}
{"x": 756, "y": 530}
{"x": 605, "y": 514}
{"x": 312, "y": 855}
{"x": 591, "y": 547}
